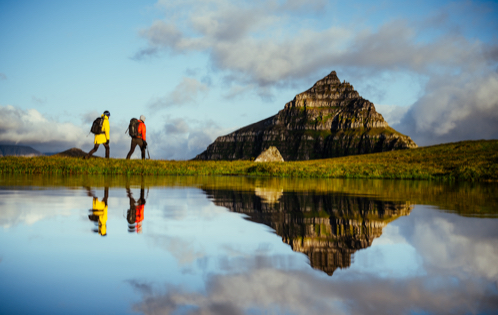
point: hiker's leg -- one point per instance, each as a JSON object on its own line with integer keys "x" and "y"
{"x": 107, "y": 150}
{"x": 95, "y": 147}
{"x": 132, "y": 148}
{"x": 142, "y": 148}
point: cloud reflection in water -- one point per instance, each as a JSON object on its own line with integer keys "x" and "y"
{"x": 455, "y": 258}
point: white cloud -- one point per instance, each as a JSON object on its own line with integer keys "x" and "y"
{"x": 254, "y": 43}
{"x": 304, "y": 5}
{"x": 186, "y": 92}
{"x": 296, "y": 292}
{"x": 179, "y": 138}
{"x": 449, "y": 243}
{"x": 454, "y": 108}
{"x": 392, "y": 113}
{"x": 31, "y": 128}
{"x": 176, "y": 126}
{"x": 183, "y": 138}
{"x": 90, "y": 116}
{"x": 33, "y": 209}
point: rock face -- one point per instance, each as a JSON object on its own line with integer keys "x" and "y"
{"x": 270, "y": 155}
{"x": 329, "y": 120}
{"x": 328, "y": 228}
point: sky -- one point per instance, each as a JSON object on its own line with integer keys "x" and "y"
{"x": 199, "y": 69}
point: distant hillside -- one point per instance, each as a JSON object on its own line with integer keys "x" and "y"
{"x": 18, "y": 150}
{"x": 73, "y": 152}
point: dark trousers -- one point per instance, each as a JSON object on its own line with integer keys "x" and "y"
{"x": 95, "y": 147}
{"x": 134, "y": 143}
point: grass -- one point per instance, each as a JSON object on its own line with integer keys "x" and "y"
{"x": 461, "y": 161}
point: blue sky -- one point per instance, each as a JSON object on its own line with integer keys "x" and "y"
{"x": 201, "y": 69}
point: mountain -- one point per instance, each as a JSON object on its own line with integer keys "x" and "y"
{"x": 73, "y": 152}
{"x": 330, "y": 119}
{"x": 328, "y": 228}
{"x": 18, "y": 150}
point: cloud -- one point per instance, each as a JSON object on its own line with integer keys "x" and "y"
{"x": 297, "y": 292}
{"x": 176, "y": 126}
{"x": 392, "y": 113}
{"x": 31, "y": 128}
{"x": 459, "y": 276}
{"x": 90, "y": 116}
{"x": 304, "y": 5}
{"x": 263, "y": 46}
{"x": 183, "y": 138}
{"x": 450, "y": 244}
{"x": 254, "y": 43}
{"x": 3, "y": 76}
{"x": 26, "y": 207}
{"x": 185, "y": 93}
{"x": 462, "y": 107}
{"x": 178, "y": 139}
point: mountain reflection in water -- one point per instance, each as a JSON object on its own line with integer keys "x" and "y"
{"x": 392, "y": 247}
{"x": 328, "y": 228}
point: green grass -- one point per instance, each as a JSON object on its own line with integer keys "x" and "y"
{"x": 467, "y": 161}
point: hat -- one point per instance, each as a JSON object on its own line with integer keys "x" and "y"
{"x": 142, "y": 117}
{"x": 107, "y": 113}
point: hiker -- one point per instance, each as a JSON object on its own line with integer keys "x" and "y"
{"x": 102, "y": 138}
{"x": 98, "y": 213}
{"x": 138, "y": 139}
{"x": 135, "y": 215}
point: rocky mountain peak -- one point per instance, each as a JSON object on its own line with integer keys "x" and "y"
{"x": 330, "y": 79}
{"x": 329, "y": 119}
{"x": 327, "y": 92}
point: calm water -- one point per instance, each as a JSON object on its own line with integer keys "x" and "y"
{"x": 188, "y": 245}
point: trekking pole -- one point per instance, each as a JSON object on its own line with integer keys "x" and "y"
{"x": 148, "y": 152}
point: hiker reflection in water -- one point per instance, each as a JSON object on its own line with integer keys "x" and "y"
{"x": 99, "y": 211}
{"x": 135, "y": 214}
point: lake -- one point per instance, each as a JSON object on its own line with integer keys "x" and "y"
{"x": 236, "y": 245}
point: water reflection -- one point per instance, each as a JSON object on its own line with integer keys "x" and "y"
{"x": 135, "y": 214}
{"x": 387, "y": 251}
{"x": 328, "y": 228}
{"x": 98, "y": 213}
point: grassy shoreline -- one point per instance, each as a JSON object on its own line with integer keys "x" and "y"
{"x": 467, "y": 160}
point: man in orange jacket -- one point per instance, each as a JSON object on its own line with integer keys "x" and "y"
{"x": 140, "y": 140}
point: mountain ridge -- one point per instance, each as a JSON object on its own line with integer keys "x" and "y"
{"x": 330, "y": 119}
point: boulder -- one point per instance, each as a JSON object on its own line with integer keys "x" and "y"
{"x": 270, "y": 155}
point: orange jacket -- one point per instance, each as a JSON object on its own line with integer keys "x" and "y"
{"x": 140, "y": 213}
{"x": 142, "y": 130}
